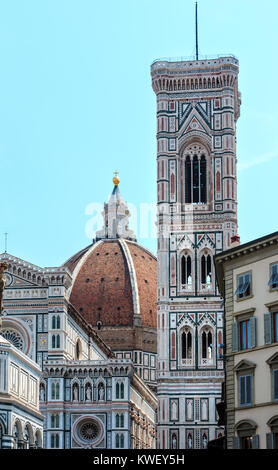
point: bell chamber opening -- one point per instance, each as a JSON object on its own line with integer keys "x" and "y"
{"x": 195, "y": 175}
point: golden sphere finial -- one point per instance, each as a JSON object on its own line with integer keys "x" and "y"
{"x": 116, "y": 178}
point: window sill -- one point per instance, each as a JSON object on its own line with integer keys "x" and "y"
{"x": 244, "y": 298}
{"x": 273, "y": 289}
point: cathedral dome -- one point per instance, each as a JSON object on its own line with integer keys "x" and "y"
{"x": 114, "y": 283}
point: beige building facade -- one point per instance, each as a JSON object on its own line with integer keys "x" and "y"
{"x": 248, "y": 280}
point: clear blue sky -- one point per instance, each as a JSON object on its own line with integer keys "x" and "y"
{"x": 76, "y": 103}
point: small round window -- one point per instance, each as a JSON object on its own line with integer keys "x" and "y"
{"x": 88, "y": 430}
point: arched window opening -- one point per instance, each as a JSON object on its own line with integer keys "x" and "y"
{"x": 186, "y": 344}
{"x": 188, "y": 198}
{"x": 122, "y": 389}
{"x": 207, "y": 347}
{"x": 117, "y": 390}
{"x": 57, "y": 391}
{"x": 120, "y": 441}
{"x": 195, "y": 179}
{"x": 55, "y": 421}
{"x": 58, "y": 322}
{"x": 54, "y": 322}
{"x": 54, "y": 441}
{"x": 203, "y": 179}
{"x": 206, "y": 270}
{"x": 186, "y": 270}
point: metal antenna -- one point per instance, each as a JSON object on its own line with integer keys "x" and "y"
{"x": 6, "y": 241}
{"x": 196, "y": 30}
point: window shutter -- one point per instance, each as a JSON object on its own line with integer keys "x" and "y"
{"x": 236, "y": 443}
{"x": 256, "y": 442}
{"x": 253, "y": 335}
{"x": 235, "y": 337}
{"x": 275, "y": 384}
{"x": 269, "y": 440}
{"x": 242, "y": 390}
{"x": 268, "y": 328}
{"x": 248, "y": 396}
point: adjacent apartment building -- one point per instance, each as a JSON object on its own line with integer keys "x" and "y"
{"x": 248, "y": 280}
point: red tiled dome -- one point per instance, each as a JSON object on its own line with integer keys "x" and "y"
{"x": 112, "y": 281}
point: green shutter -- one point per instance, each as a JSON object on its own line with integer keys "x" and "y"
{"x": 268, "y": 328}
{"x": 236, "y": 443}
{"x": 275, "y": 384}
{"x": 256, "y": 442}
{"x": 235, "y": 337}
{"x": 269, "y": 440}
{"x": 253, "y": 335}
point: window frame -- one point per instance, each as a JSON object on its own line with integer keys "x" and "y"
{"x": 245, "y": 369}
{"x": 245, "y": 403}
{"x": 238, "y": 284}
{"x": 242, "y": 317}
{"x": 271, "y": 288}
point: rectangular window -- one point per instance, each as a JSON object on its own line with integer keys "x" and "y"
{"x": 245, "y": 390}
{"x": 244, "y": 334}
{"x": 273, "y": 281}
{"x": 243, "y": 286}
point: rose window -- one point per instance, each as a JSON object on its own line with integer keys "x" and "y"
{"x": 89, "y": 431}
{"x": 14, "y": 337}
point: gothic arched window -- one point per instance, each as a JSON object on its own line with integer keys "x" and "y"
{"x": 186, "y": 344}
{"x": 206, "y": 269}
{"x": 186, "y": 269}
{"x": 206, "y": 344}
{"x": 54, "y": 442}
{"x": 195, "y": 179}
{"x": 55, "y": 421}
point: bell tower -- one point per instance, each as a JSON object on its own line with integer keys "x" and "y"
{"x": 198, "y": 105}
